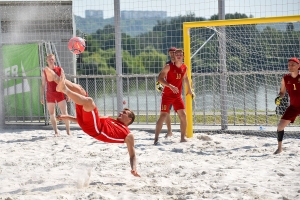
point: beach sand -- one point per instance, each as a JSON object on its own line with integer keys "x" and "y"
{"x": 36, "y": 165}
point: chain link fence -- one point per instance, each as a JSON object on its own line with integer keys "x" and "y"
{"x": 248, "y": 105}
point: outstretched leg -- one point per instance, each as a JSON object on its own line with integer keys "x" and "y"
{"x": 87, "y": 102}
{"x": 51, "y": 75}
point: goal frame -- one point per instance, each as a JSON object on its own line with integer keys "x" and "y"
{"x": 220, "y": 23}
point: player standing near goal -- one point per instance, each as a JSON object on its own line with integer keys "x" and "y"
{"x": 171, "y": 77}
{"x": 160, "y": 87}
{"x": 52, "y": 96}
{"x": 101, "y": 128}
{"x": 291, "y": 83}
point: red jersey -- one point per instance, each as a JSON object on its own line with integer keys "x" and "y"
{"x": 104, "y": 129}
{"x": 174, "y": 77}
{"x": 293, "y": 87}
{"x": 52, "y": 95}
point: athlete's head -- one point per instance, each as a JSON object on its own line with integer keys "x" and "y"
{"x": 50, "y": 59}
{"x": 171, "y": 52}
{"x": 179, "y": 54}
{"x": 126, "y": 116}
{"x": 293, "y": 64}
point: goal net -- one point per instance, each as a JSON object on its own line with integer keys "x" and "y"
{"x": 236, "y": 70}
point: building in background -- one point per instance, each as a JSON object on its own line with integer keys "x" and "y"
{"x": 133, "y": 14}
{"x": 94, "y": 14}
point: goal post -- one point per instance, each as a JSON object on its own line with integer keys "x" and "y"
{"x": 214, "y": 27}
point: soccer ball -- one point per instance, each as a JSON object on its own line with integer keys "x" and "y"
{"x": 76, "y": 45}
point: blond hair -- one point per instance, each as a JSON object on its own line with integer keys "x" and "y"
{"x": 50, "y": 55}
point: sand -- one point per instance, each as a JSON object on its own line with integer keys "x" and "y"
{"x": 36, "y": 165}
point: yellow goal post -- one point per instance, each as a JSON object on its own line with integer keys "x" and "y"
{"x": 217, "y": 23}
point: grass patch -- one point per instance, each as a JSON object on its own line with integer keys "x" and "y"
{"x": 270, "y": 120}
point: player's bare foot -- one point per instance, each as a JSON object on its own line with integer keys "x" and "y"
{"x": 61, "y": 86}
{"x": 183, "y": 140}
{"x": 278, "y": 151}
{"x": 56, "y": 134}
{"x": 155, "y": 141}
{"x": 169, "y": 134}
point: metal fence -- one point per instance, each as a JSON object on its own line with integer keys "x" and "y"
{"x": 250, "y": 99}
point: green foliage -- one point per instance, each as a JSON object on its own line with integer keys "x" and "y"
{"x": 152, "y": 60}
{"x": 132, "y": 65}
{"x": 146, "y": 52}
{"x": 96, "y": 63}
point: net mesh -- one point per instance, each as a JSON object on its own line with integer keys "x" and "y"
{"x": 256, "y": 59}
{"x": 148, "y": 29}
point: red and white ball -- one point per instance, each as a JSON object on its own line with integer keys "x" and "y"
{"x": 76, "y": 45}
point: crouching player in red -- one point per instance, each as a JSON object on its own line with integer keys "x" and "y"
{"x": 101, "y": 128}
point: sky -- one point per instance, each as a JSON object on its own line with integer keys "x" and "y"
{"x": 201, "y": 8}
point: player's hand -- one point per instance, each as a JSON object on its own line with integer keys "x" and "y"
{"x": 193, "y": 94}
{"x": 61, "y": 117}
{"x": 42, "y": 101}
{"x": 174, "y": 89}
{"x": 68, "y": 99}
{"x": 134, "y": 173}
{"x": 159, "y": 87}
{"x": 278, "y": 100}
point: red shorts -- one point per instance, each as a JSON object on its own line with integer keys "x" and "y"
{"x": 167, "y": 101}
{"x": 291, "y": 113}
{"x": 88, "y": 121}
{"x": 53, "y": 97}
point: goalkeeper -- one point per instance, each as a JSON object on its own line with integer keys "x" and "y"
{"x": 291, "y": 83}
{"x": 171, "y": 77}
{"x": 160, "y": 87}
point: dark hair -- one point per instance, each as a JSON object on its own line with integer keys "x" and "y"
{"x": 172, "y": 49}
{"x": 131, "y": 115}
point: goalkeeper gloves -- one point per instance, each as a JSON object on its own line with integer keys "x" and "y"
{"x": 193, "y": 94}
{"x": 278, "y": 100}
{"x": 159, "y": 87}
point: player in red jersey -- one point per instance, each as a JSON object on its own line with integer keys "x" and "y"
{"x": 52, "y": 96}
{"x": 171, "y": 78}
{"x": 291, "y": 83}
{"x": 160, "y": 87}
{"x": 101, "y": 128}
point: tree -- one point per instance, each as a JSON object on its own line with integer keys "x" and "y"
{"x": 152, "y": 60}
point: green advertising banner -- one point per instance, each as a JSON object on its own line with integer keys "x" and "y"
{"x": 21, "y": 94}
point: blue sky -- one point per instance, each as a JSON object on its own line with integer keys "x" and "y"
{"x": 201, "y": 8}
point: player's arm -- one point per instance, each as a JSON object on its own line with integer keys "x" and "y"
{"x": 42, "y": 88}
{"x": 129, "y": 140}
{"x": 162, "y": 74}
{"x": 161, "y": 79}
{"x": 67, "y": 117}
{"x": 281, "y": 94}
